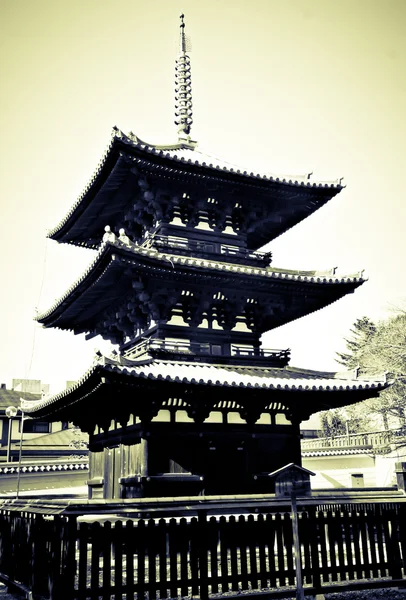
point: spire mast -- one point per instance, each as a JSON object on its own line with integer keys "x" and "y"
{"x": 183, "y": 87}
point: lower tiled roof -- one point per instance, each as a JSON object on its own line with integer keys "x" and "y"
{"x": 287, "y": 379}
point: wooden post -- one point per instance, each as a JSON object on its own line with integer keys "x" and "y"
{"x": 296, "y": 546}
{"x": 144, "y": 457}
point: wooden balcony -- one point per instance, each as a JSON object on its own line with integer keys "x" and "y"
{"x": 193, "y": 349}
{"x": 212, "y": 251}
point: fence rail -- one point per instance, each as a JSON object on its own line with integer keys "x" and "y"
{"x": 65, "y": 558}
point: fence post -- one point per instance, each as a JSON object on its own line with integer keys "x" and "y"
{"x": 39, "y": 565}
{"x": 296, "y": 547}
{"x": 68, "y": 566}
{"x": 54, "y": 563}
{"x": 203, "y": 555}
{"x": 314, "y": 549}
{"x": 61, "y": 564}
{"x": 394, "y": 542}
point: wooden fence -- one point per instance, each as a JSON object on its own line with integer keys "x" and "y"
{"x": 64, "y": 558}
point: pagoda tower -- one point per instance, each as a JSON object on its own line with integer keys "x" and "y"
{"x": 190, "y": 402}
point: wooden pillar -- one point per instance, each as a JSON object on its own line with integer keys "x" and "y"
{"x": 144, "y": 457}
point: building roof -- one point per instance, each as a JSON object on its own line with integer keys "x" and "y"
{"x": 333, "y": 452}
{"x": 290, "y": 199}
{"x": 289, "y": 468}
{"x": 317, "y": 389}
{"x": 64, "y": 439}
{"x": 110, "y": 277}
{"x": 13, "y": 397}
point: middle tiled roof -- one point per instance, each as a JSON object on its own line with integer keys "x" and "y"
{"x": 107, "y": 281}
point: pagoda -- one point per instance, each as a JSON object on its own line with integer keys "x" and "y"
{"x": 189, "y": 402}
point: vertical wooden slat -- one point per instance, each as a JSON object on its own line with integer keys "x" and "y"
{"x": 214, "y": 556}
{"x": 252, "y": 544}
{"x": 288, "y": 544}
{"x": 336, "y": 543}
{"x": 304, "y": 536}
{"x": 39, "y": 576}
{"x": 82, "y": 567}
{"x": 261, "y": 531}
{"x": 244, "y": 538}
{"x": 162, "y": 547}
{"x": 364, "y": 543}
{"x": 183, "y": 541}
{"x": 281, "y": 572}
{"x": 356, "y": 540}
{"x": 141, "y": 533}
{"x": 69, "y": 554}
{"x": 271, "y": 539}
{"x": 323, "y": 546}
{"x": 203, "y": 555}
{"x": 401, "y": 515}
{"x": 106, "y": 553}
{"x": 223, "y": 554}
{"x": 380, "y": 541}
{"x": 371, "y": 534}
{"x": 314, "y": 549}
{"x": 388, "y": 557}
{"x": 233, "y": 545}
{"x": 151, "y": 552}
{"x": 194, "y": 555}
{"x": 339, "y": 537}
{"x": 129, "y": 553}
{"x": 173, "y": 558}
{"x": 54, "y": 560}
{"x": 348, "y": 546}
{"x": 95, "y": 531}
{"x": 118, "y": 555}
{"x": 393, "y": 548}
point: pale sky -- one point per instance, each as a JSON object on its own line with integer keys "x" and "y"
{"x": 283, "y": 86}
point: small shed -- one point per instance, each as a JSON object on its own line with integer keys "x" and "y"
{"x": 292, "y": 478}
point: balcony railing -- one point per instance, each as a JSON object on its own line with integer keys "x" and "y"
{"x": 206, "y": 349}
{"x": 207, "y": 249}
{"x": 372, "y": 440}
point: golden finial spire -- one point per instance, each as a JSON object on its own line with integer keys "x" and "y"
{"x": 183, "y": 87}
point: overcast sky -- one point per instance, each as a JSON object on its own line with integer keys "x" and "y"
{"x": 285, "y": 86}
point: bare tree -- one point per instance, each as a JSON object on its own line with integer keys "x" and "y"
{"x": 376, "y": 348}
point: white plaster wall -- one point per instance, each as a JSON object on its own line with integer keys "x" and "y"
{"x": 335, "y": 472}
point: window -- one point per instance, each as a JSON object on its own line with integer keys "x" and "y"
{"x": 216, "y": 349}
{"x": 31, "y": 426}
{"x": 357, "y": 480}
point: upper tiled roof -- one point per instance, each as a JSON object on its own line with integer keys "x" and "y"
{"x": 273, "y": 379}
{"x": 112, "y": 171}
